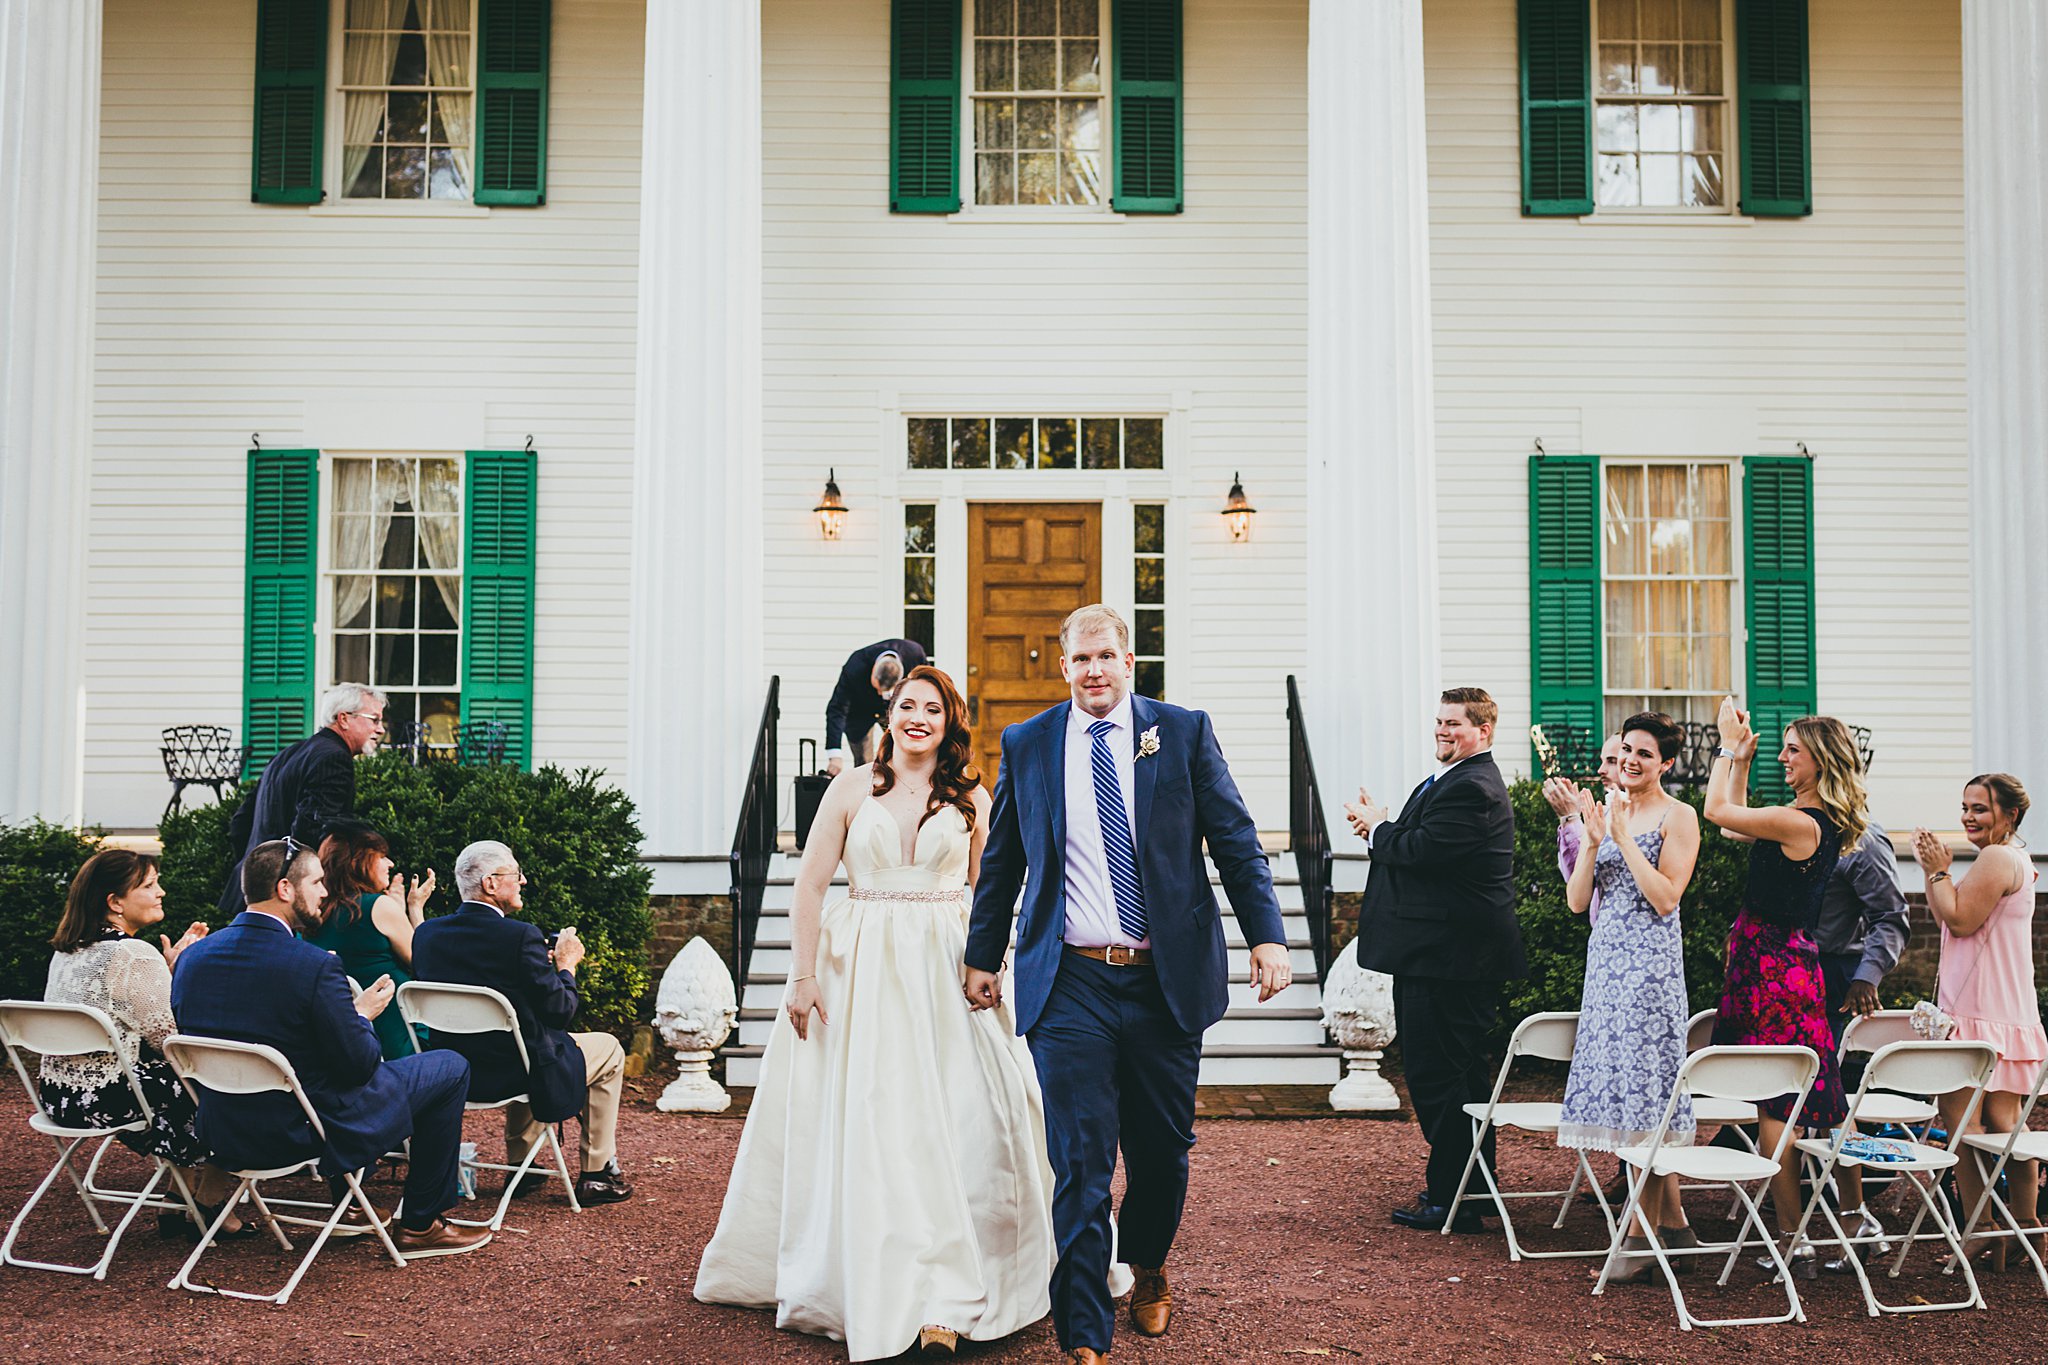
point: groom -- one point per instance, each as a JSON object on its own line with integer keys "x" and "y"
{"x": 1101, "y": 811}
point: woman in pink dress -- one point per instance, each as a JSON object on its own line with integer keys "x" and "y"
{"x": 1987, "y": 967}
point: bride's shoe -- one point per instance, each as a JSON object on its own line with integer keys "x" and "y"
{"x": 937, "y": 1343}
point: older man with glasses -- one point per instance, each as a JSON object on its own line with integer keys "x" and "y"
{"x": 482, "y": 945}
{"x": 309, "y": 785}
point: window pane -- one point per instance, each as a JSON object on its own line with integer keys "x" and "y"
{"x": 400, "y": 711}
{"x": 927, "y": 443}
{"x": 1657, "y": 71}
{"x": 1013, "y": 443}
{"x": 1144, "y": 443}
{"x": 995, "y": 16}
{"x": 1703, "y": 188}
{"x": 1150, "y": 575}
{"x": 917, "y": 580}
{"x": 1617, "y": 18}
{"x": 1660, "y": 125}
{"x": 1658, "y": 19}
{"x": 352, "y": 655}
{"x": 1037, "y": 178}
{"x": 406, "y": 119}
{"x": 995, "y": 124}
{"x": 1699, "y": 127}
{"x": 352, "y": 602}
{"x": 995, "y": 66}
{"x": 437, "y": 661}
{"x": 1080, "y": 18}
{"x": 1702, "y": 69}
{"x": 396, "y": 602}
{"x": 1038, "y": 66}
{"x": 1618, "y": 127}
{"x": 398, "y": 545}
{"x": 1148, "y": 524}
{"x": 920, "y": 528}
{"x": 1056, "y": 448}
{"x": 970, "y": 443}
{"x": 1081, "y": 178}
{"x": 405, "y": 173}
{"x": 1038, "y": 17}
{"x": 393, "y": 661}
{"x": 1150, "y": 632}
{"x": 1702, "y": 19}
{"x": 1081, "y": 66}
{"x": 1151, "y": 679}
{"x": 369, "y": 181}
{"x": 1081, "y": 125}
{"x": 995, "y": 179}
{"x": 446, "y": 180}
{"x": 1098, "y": 443}
{"x": 919, "y": 625}
{"x": 409, "y": 66}
{"x": 436, "y": 611}
{"x": 1619, "y": 182}
{"x": 1617, "y": 68}
{"x": 1661, "y": 180}
{"x": 1038, "y": 123}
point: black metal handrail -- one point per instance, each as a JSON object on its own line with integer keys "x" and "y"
{"x": 1308, "y": 832}
{"x": 753, "y": 839}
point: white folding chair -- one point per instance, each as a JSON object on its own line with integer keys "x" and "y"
{"x": 447, "y": 1008}
{"x": 1712, "y": 1111}
{"x": 1916, "y": 1068}
{"x": 1751, "y": 1075}
{"x": 2021, "y": 1144}
{"x": 1550, "y": 1037}
{"x": 59, "y": 1030}
{"x": 231, "y": 1068}
{"x": 1864, "y": 1036}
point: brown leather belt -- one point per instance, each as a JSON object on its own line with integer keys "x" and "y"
{"x": 1116, "y": 955}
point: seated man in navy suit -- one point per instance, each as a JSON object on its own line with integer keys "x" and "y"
{"x": 257, "y": 982}
{"x": 480, "y": 945}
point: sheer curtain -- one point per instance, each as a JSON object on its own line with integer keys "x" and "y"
{"x": 448, "y": 65}
{"x": 363, "y": 507}
{"x": 440, "y": 523}
{"x": 366, "y": 59}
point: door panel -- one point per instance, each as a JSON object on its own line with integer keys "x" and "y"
{"x": 1028, "y": 566}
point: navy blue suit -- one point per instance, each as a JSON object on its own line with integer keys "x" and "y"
{"x": 477, "y": 946}
{"x": 305, "y": 789}
{"x": 256, "y": 982}
{"x": 1118, "y": 1049}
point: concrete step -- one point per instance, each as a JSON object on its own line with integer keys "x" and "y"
{"x": 1223, "y": 1065}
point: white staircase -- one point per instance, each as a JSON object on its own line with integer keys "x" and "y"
{"x": 1279, "y": 1042}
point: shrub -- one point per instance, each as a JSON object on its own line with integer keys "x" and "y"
{"x": 37, "y": 862}
{"x": 1555, "y": 938}
{"x": 575, "y": 838}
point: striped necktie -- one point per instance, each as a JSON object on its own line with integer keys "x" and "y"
{"x": 1117, "y": 848}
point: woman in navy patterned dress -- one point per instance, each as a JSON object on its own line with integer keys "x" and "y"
{"x": 1639, "y": 850}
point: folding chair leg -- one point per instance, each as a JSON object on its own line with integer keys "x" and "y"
{"x": 569, "y": 1185}
{"x": 64, "y": 1155}
{"x": 1465, "y": 1181}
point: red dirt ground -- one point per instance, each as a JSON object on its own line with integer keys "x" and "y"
{"x": 1286, "y": 1255}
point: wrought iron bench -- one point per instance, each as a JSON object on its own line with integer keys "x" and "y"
{"x": 201, "y": 755}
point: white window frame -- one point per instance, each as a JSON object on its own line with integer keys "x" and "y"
{"x": 1731, "y": 183}
{"x": 1737, "y": 634}
{"x": 336, "y": 200}
{"x": 969, "y": 204}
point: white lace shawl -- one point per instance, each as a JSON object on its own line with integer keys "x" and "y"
{"x": 127, "y": 980}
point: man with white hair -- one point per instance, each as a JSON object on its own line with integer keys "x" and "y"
{"x": 308, "y": 785}
{"x": 571, "y": 1073}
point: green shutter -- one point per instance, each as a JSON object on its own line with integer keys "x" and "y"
{"x": 1777, "y": 515}
{"x": 924, "y": 106}
{"x": 1145, "y": 81}
{"x": 512, "y": 102}
{"x": 1774, "y": 108}
{"x": 1557, "y": 107}
{"x": 291, "y": 100}
{"x": 277, "y": 622}
{"x": 1564, "y": 593}
{"x": 497, "y": 592}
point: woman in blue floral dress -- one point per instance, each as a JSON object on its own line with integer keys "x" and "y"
{"x": 1639, "y": 850}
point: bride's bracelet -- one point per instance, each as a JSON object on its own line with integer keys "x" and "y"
{"x": 796, "y": 980}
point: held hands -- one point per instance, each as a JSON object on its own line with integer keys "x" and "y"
{"x": 195, "y": 932}
{"x": 803, "y": 998}
{"x": 1364, "y": 813}
{"x": 375, "y": 997}
{"x": 1271, "y": 972}
{"x": 1563, "y": 795}
{"x": 984, "y": 990}
{"x": 1930, "y": 852}
{"x": 569, "y": 950}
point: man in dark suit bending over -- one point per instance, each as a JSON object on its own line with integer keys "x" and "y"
{"x": 1439, "y": 917}
{"x": 865, "y": 681}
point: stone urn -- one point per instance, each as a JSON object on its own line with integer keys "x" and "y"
{"x": 1358, "y": 1009}
{"x": 694, "y": 1012}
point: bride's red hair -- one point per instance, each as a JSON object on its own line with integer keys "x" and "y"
{"x": 955, "y": 777}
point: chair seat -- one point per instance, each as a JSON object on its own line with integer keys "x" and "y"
{"x": 1921, "y": 1156}
{"x": 2032, "y": 1146}
{"x": 1707, "y": 1109}
{"x": 1534, "y": 1116}
{"x": 42, "y": 1123}
{"x": 498, "y": 1104}
{"x": 1720, "y": 1164}
{"x": 1882, "y": 1106}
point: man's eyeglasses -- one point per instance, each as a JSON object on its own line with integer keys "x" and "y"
{"x": 511, "y": 872}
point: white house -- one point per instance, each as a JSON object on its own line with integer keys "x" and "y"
{"x": 1593, "y": 351}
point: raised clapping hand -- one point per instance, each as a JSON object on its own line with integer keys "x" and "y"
{"x": 569, "y": 949}
{"x": 1594, "y": 813}
{"x": 1364, "y": 813}
{"x": 1563, "y": 795}
{"x": 1930, "y": 852}
{"x": 1736, "y": 736}
{"x": 192, "y": 935}
{"x": 1618, "y": 814}
{"x": 375, "y": 997}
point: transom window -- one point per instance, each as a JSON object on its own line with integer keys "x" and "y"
{"x": 920, "y": 574}
{"x": 407, "y": 93}
{"x": 1669, "y": 579}
{"x": 1037, "y": 97}
{"x": 1661, "y": 101}
{"x": 1148, "y": 580}
{"x": 396, "y": 580}
{"x": 1037, "y": 443}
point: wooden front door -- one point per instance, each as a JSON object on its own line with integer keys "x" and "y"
{"x": 1028, "y": 565}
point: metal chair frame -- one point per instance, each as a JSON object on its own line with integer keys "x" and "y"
{"x": 200, "y": 756}
{"x": 2021, "y": 1144}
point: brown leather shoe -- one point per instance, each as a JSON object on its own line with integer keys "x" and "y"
{"x": 1082, "y": 1355}
{"x": 1151, "y": 1302}
{"x": 353, "y": 1224}
{"x": 441, "y": 1239}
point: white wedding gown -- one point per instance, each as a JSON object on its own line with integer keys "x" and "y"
{"x": 893, "y": 1172}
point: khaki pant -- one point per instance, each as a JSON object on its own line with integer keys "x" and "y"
{"x": 605, "y": 1063}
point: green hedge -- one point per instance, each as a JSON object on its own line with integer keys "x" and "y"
{"x": 1555, "y": 938}
{"x": 37, "y": 862}
{"x": 576, "y": 839}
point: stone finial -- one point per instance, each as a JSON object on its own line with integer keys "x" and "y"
{"x": 1358, "y": 1009}
{"x": 694, "y": 1011}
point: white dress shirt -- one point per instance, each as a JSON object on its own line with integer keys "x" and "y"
{"x": 1091, "y": 901}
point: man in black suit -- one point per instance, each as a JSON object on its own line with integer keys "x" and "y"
{"x": 1439, "y": 917}
{"x": 864, "y": 684}
{"x": 307, "y": 786}
{"x": 572, "y": 1073}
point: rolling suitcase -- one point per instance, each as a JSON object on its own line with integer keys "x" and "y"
{"x": 810, "y": 788}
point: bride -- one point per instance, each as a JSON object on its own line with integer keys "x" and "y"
{"x": 891, "y": 1186}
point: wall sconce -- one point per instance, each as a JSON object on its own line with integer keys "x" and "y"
{"x": 1238, "y": 511}
{"x": 831, "y": 508}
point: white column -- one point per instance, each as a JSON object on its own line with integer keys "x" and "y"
{"x": 696, "y": 683}
{"x": 1371, "y": 687}
{"x": 49, "y": 191}
{"x": 2005, "y": 260}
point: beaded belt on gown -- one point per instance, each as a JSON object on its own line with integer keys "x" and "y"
{"x": 883, "y": 893}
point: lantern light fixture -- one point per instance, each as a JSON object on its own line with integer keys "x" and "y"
{"x": 1238, "y": 511}
{"x": 831, "y": 508}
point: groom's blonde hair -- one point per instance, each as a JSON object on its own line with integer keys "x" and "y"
{"x": 1095, "y": 616}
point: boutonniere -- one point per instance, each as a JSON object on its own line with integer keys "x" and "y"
{"x": 1148, "y": 743}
